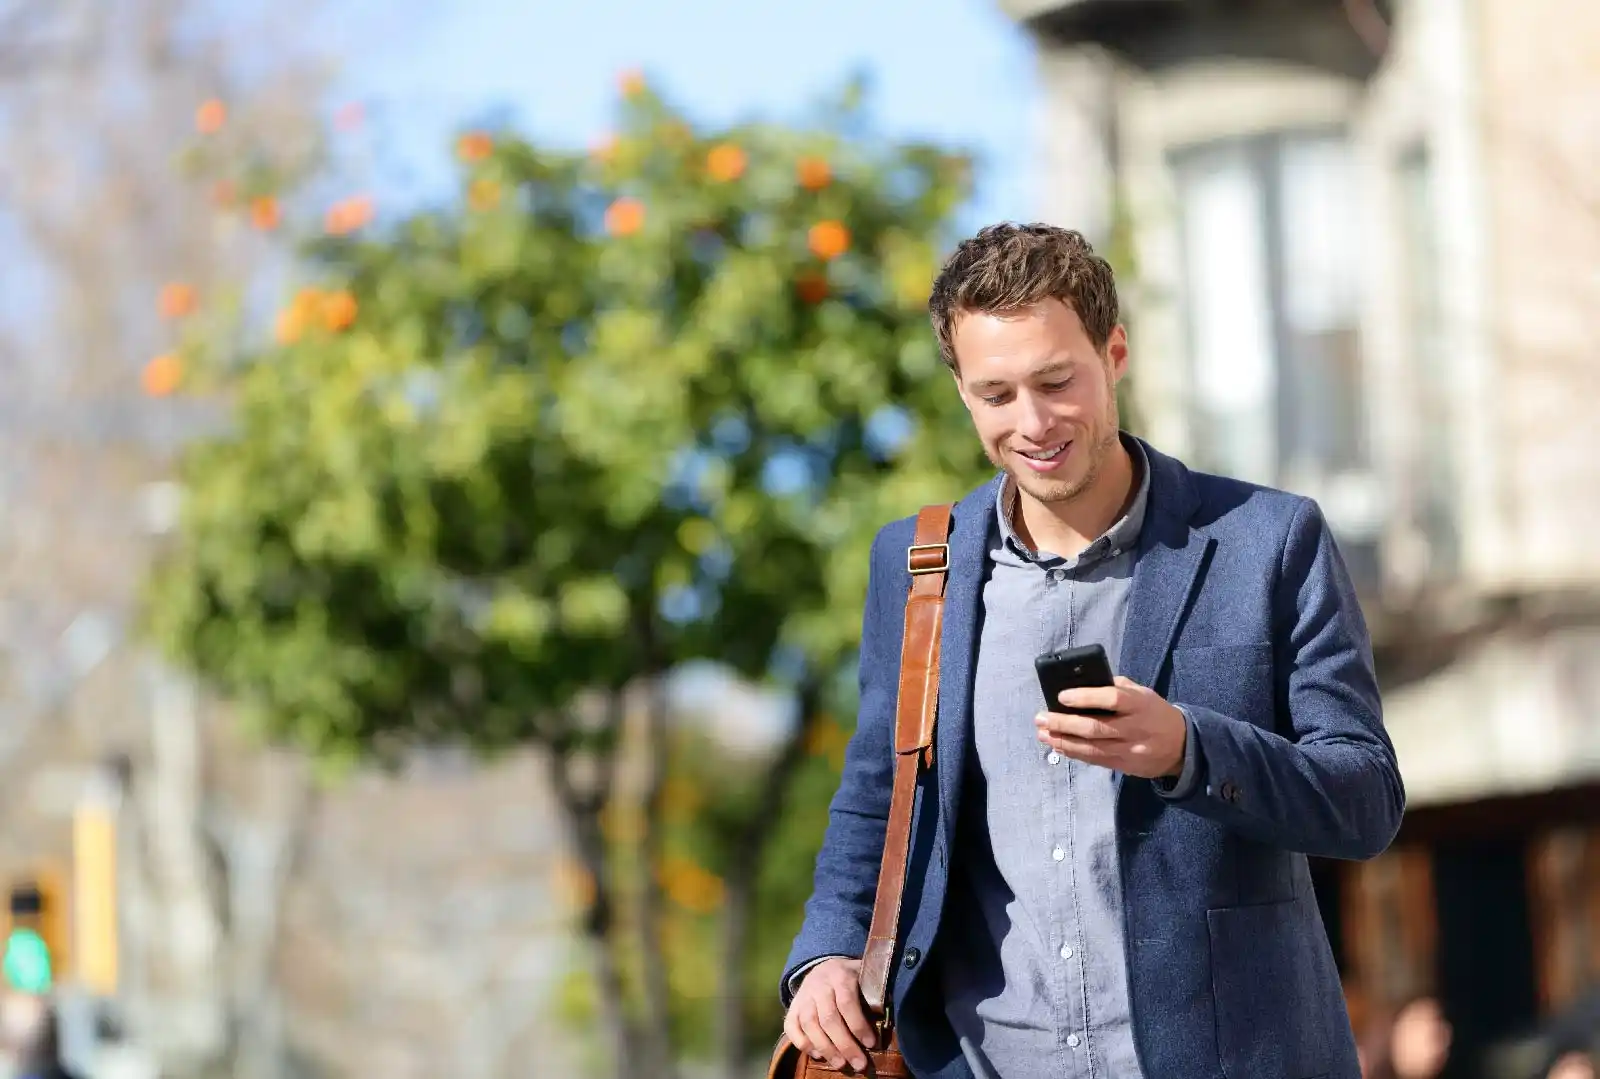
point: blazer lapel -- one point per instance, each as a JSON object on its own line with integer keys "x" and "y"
{"x": 1171, "y": 555}
{"x": 1171, "y": 559}
{"x": 970, "y": 533}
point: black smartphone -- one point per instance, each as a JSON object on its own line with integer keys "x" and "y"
{"x": 1073, "y": 668}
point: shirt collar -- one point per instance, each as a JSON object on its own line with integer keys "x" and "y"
{"x": 1123, "y": 534}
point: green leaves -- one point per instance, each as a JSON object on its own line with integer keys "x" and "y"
{"x": 608, "y": 413}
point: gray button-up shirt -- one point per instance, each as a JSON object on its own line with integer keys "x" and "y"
{"x": 1033, "y": 966}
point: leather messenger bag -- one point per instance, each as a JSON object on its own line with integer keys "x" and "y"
{"x": 928, "y": 561}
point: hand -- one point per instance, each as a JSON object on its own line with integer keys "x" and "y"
{"x": 827, "y": 1017}
{"x": 1144, "y": 736}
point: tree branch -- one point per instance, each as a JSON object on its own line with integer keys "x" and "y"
{"x": 581, "y": 810}
{"x": 658, "y": 993}
{"x": 748, "y": 852}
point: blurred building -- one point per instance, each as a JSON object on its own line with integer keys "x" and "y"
{"x": 1360, "y": 241}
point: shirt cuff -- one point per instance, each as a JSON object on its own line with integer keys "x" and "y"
{"x": 800, "y": 975}
{"x": 1189, "y": 777}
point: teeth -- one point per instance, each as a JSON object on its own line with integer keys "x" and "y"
{"x": 1046, "y": 456}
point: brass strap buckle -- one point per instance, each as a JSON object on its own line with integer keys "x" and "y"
{"x": 944, "y": 558}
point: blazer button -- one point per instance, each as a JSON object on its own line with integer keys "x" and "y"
{"x": 1229, "y": 791}
{"x": 912, "y": 958}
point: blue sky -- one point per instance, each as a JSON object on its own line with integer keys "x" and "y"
{"x": 952, "y": 70}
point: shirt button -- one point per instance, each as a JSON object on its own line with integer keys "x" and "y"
{"x": 1072, "y": 1040}
{"x": 1058, "y": 575}
{"x": 1066, "y": 951}
{"x": 1054, "y": 757}
{"x": 1058, "y": 854}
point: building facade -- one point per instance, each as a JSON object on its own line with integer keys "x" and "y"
{"x": 1360, "y": 243}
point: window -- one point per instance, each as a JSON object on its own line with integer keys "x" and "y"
{"x": 1271, "y": 281}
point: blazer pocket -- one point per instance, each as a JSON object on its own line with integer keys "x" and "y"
{"x": 1272, "y": 986}
{"x": 1233, "y": 679}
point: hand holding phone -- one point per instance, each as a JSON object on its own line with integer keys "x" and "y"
{"x": 1073, "y": 668}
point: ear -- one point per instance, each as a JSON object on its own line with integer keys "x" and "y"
{"x": 1117, "y": 353}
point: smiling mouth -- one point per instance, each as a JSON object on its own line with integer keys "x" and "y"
{"x": 1049, "y": 453}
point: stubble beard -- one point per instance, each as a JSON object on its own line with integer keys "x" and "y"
{"x": 1102, "y": 441}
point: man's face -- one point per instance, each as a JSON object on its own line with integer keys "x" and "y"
{"x": 1042, "y": 398}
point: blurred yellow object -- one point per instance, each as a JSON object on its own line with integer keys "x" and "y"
{"x": 483, "y": 195}
{"x": 691, "y": 887}
{"x": 289, "y": 325}
{"x": 94, "y": 852}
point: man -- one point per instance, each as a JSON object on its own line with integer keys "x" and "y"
{"x": 30, "y": 1039}
{"x": 1122, "y": 895}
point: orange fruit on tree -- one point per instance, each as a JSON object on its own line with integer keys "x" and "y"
{"x": 811, "y": 287}
{"x": 474, "y": 146}
{"x": 625, "y": 217}
{"x": 337, "y": 220}
{"x": 289, "y": 325}
{"x": 726, "y": 162}
{"x": 631, "y": 82}
{"x": 339, "y": 311}
{"x": 813, "y": 173}
{"x": 162, "y": 375}
{"x": 308, "y": 300}
{"x": 264, "y": 213}
{"x": 177, "y": 299}
{"x": 210, "y": 116}
{"x": 348, "y": 215}
{"x": 828, "y": 239}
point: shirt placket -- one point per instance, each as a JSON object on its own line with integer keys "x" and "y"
{"x": 1060, "y": 617}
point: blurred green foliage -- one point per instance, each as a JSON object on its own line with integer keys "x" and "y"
{"x": 600, "y": 414}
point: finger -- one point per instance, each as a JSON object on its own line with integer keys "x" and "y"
{"x": 1080, "y": 749}
{"x": 817, "y": 1041}
{"x": 843, "y": 1042}
{"x": 1106, "y": 698}
{"x": 1072, "y": 725}
{"x": 1122, "y": 681}
{"x": 855, "y": 1016}
{"x": 791, "y": 1030}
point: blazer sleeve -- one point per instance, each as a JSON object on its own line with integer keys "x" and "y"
{"x": 1332, "y": 788}
{"x": 839, "y": 912}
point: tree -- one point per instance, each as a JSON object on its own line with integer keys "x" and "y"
{"x": 514, "y": 459}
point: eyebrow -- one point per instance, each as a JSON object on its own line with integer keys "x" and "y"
{"x": 1055, "y": 367}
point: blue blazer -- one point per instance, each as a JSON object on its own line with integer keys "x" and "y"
{"x": 1242, "y": 610}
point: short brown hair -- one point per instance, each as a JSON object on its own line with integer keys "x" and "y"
{"x": 1007, "y": 267}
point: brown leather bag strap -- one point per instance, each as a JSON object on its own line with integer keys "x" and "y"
{"x": 928, "y": 561}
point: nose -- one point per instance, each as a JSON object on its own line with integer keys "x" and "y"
{"x": 1035, "y": 421}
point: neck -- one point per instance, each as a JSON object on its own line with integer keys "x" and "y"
{"x": 1066, "y": 528}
